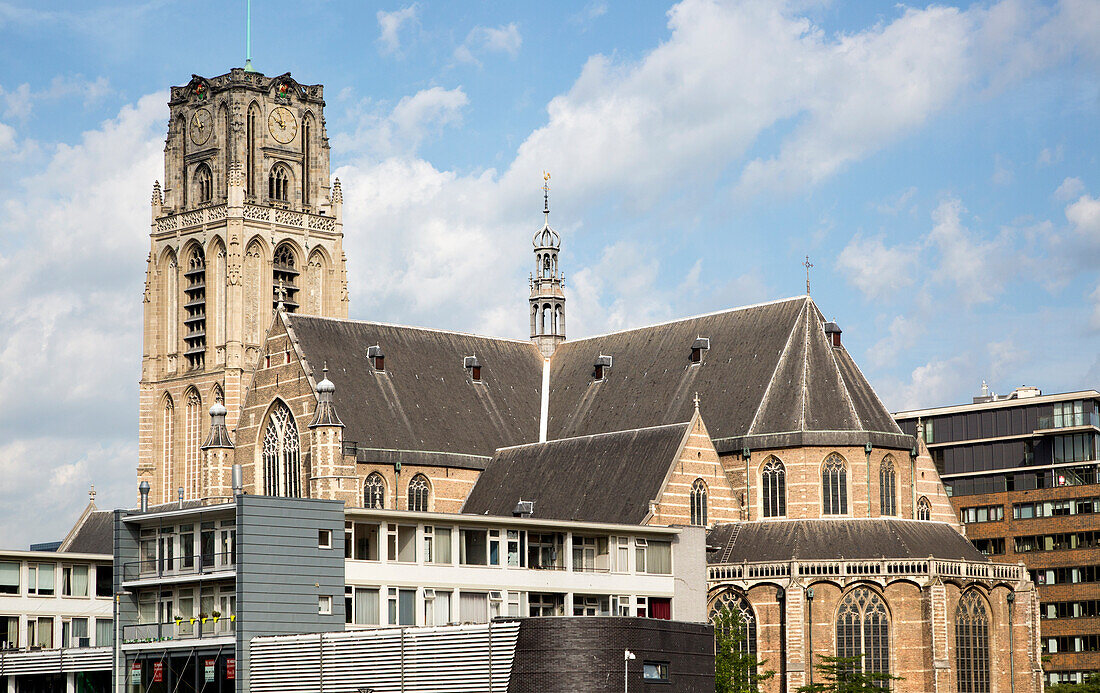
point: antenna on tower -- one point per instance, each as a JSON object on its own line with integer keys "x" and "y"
{"x": 248, "y": 38}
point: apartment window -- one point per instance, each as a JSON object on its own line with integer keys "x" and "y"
{"x": 374, "y": 491}
{"x": 622, "y": 555}
{"x": 1069, "y": 414}
{"x": 40, "y": 579}
{"x": 654, "y": 557}
{"x": 437, "y": 607}
{"x": 324, "y": 604}
{"x": 74, "y": 580}
{"x": 473, "y": 547}
{"x": 991, "y": 546}
{"x": 982, "y": 513}
{"x": 515, "y": 548}
{"x": 324, "y": 538}
{"x": 620, "y": 606}
{"x": 401, "y": 605}
{"x": 104, "y": 586}
{"x": 402, "y": 543}
{"x": 972, "y": 645}
{"x": 929, "y": 432}
{"x": 591, "y": 605}
{"x": 657, "y": 672}
{"x": 887, "y": 486}
{"x": 1089, "y": 608}
{"x": 40, "y": 632}
{"x": 591, "y": 554}
{"x": 545, "y": 604}
{"x": 544, "y": 551}
{"x": 699, "y": 503}
{"x": 364, "y": 610}
{"x": 773, "y": 477}
{"x": 9, "y": 577}
{"x": 1075, "y": 448}
{"x": 74, "y": 633}
{"x": 494, "y": 547}
{"x": 364, "y": 542}
{"x": 9, "y": 632}
{"x": 418, "y": 493}
{"x": 834, "y": 486}
{"x": 924, "y": 509}
{"x": 473, "y": 607}
{"x": 437, "y": 545}
{"x": 104, "y": 632}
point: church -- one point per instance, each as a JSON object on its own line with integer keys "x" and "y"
{"x": 828, "y": 529}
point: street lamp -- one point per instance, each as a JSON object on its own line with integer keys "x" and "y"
{"x": 627, "y": 656}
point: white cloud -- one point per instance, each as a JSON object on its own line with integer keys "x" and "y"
{"x": 1002, "y": 171}
{"x": 19, "y": 102}
{"x": 1048, "y": 156}
{"x": 1094, "y": 320}
{"x": 484, "y": 39}
{"x": 593, "y": 10}
{"x": 391, "y": 24}
{"x": 902, "y": 334}
{"x": 973, "y": 266}
{"x": 876, "y": 270}
{"x": 1084, "y": 215}
{"x": 930, "y": 385}
{"x": 898, "y": 203}
{"x": 1069, "y": 189}
{"x": 402, "y": 130}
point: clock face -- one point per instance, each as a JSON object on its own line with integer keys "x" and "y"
{"x": 282, "y": 125}
{"x": 201, "y": 126}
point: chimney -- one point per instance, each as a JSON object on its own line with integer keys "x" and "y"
{"x": 238, "y": 480}
{"x": 181, "y": 497}
{"x": 524, "y": 509}
{"x": 143, "y": 489}
{"x": 832, "y": 331}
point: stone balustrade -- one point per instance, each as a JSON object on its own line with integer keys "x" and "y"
{"x": 281, "y": 217}
{"x": 884, "y": 568}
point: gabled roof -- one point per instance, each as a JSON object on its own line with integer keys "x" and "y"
{"x": 829, "y": 539}
{"x": 769, "y": 379}
{"x": 424, "y": 400}
{"x": 92, "y": 533}
{"x": 609, "y": 477}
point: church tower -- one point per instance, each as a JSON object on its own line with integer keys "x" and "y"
{"x": 246, "y": 218}
{"x": 547, "y": 284}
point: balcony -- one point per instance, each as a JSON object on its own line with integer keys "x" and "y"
{"x": 185, "y": 629}
{"x": 183, "y": 566}
{"x": 1057, "y": 422}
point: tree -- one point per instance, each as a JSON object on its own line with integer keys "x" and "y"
{"x": 736, "y": 670}
{"x": 1091, "y": 684}
{"x": 845, "y": 675}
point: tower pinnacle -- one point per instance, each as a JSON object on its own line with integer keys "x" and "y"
{"x": 547, "y": 296}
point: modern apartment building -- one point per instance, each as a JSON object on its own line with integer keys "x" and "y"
{"x": 1022, "y": 472}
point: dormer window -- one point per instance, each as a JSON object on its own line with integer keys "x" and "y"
{"x": 377, "y": 358}
{"x": 473, "y": 367}
{"x": 700, "y": 345}
{"x": 600, "y": 368}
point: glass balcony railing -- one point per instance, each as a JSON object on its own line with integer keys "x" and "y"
{"x": 180, "y": 629}
{"x": 201, "y": 564}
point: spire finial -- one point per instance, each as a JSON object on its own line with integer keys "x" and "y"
{"x": 91, "y": 494}
{"x": 546, "y": 193}
{"x": 696, "y": 402}
{"x": 324, "y": 370}
{"x": 807, "y": 264}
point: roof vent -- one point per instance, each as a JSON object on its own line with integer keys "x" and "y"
{"x": 524, "y": 509}
{"x": 473, "y": 366}
{"x": 377, "y": 358}
{"x": 600, "y": 367}
{"x": 832, "y": 331}
{"x": 700, "y": 345}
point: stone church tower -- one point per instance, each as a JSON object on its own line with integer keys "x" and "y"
{"x": 246, "y": 219}
{"x": 547, "y": 284}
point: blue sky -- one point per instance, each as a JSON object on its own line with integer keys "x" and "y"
{"x": 937, "y": 162}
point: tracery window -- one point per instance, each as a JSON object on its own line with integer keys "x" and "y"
{"x": 168, "y": 431}
{"x": 863, "y": 628}
{"x": 192, "y": 441}
{"x": 284, "y": 276}
{"x": 972, "y": 644}
{"x": 834, "y": 486}
{"x": 699, "y": 503}
{"x": 282, "y": 455}
{"x": 736, "y": 603}
{"x": 887, "y": 487}
{"x": 278, "y": 183}
{"x": 194, "y": 321}
{"x": 924, "y": 509}
{"x": 374, "y": 491}
{"x": 204, "y": 183}
{"x": 418, "y": 493}
{"x": 773, "y": 478}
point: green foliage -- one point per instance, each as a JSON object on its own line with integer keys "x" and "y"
{"x": 843, "y": 675}
{"x": 1091, "y": 684}
{"x": 735, "y": 670}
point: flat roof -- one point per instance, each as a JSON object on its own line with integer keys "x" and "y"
{"x": 470, "y": 518}
{"x": 996, "y": 404}
{"x": 52, "y": 556}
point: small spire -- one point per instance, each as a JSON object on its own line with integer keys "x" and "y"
{"x": 281, "y": 293}
{"x": 546, "y": 194}
{"x": 696, "y": 402}
{"x": 157, "y": 199}
{"x": 807, "y": 264}
{"x": 337, "y": 192}
{"x": 91, "y": 494}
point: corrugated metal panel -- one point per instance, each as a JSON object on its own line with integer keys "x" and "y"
{"x": 55, "y": 661}
{"x": 391, "y": 660}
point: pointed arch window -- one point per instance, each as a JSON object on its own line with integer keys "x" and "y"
{"x": 284, "y": 275}
{"x": 699, "y": 503}
{"x": 278, "y": 183}
{"x": 735, "y": 603}
{"x": 863, "y": 628}
{"x": 972, "y": 644}
{"x": 374, "y": 491}
{"x": 282, "y": 454}
{"x": 194, "y": 320}
{"x": 167, "y": 433}
{"x": 418, "y": 493}
{"x": 773, "y": 484}
{"x": 193, "y": 439}
{"x": 887, "y": 487}
{"x": 204, "y": 184}
{"x": 924, "y": 509}
{"x": 834, "y": 486}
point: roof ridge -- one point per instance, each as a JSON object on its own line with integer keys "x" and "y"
{"x": 594, "y": 435}
{"x": 771, "y": 380}
{"x": 805, "y": 372}
{"x": 873, "y": 391}
{"x": 685, "y": 319}
{"x": 411, "y": 327}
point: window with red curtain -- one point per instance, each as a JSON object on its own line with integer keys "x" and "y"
{"x": 660, "y": 608}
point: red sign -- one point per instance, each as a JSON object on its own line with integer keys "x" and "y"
{"x": 158, "y": 672}
{"x": 231, "y": 668}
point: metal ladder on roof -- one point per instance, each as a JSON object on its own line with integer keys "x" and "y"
{"x": 730, "y": 544}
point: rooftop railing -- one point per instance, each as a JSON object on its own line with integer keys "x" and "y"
{"x": 199, "y": 564}
{"x": 928, "y": 568}
{"x": 213, "y": 213}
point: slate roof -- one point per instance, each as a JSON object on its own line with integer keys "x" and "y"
{"x": 424, "y": 400}
{"x": 769, "y": 379}
{"x": 94, "y": 534}
{"x": 609, "y": 477}
{"x": 827, "y": 539}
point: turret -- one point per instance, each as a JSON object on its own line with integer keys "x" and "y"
{"x": 332, "y": 477}
{"x": 217, "y": 453}
{"x": 547, "y": 283}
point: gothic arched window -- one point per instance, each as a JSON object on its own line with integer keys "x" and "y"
{"x": 167, "y": 432}
{"x": 834, "y": 486}
{"x": 418, "y": 493}
{"x": 699, "y": 503}
{"x": 281, "y": 454}
{"x": 374, "y": 491}
{"x": 924, "y": 509}
{"x": 278, "y": 183}
{"x": 863, "y": 628}
{"x": 887, "y": 487}
{"x": 773, "y": 483}
{"x": 194, "y": 320}
{"x": 284, "y": 275}
{"x": 204, "y": 184}
{"x": 192, "y": 441}
{"x": 736, "y": 604}
{"x": 972, "y": 645}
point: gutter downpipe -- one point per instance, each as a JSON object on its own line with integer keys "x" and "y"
{"x": 1011, "y": 647}
{"x": 810, "y": 630}
{"x": 867, "y": 449}
{"x": 746, "y": 454}
{"x": 781, "y": 598}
